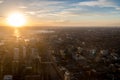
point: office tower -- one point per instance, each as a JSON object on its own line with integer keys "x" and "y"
{"x": 16, "y": 54}
{"x": 15, "y": 64}
{"x": 24, "y": 51}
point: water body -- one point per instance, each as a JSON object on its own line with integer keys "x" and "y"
{"x": 5, "y": 32}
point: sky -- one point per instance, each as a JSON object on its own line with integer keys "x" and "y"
{"x": 63, "y": 12}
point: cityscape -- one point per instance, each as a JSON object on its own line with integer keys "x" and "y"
{"x": 59, "y": 39}
{"x": 60, "y": 54}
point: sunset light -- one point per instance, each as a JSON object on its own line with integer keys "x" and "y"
{"x": 59, "y": 39}
{"x": 16, "y": 20}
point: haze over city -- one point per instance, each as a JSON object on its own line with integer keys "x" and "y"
{"x": 59, "y": 39}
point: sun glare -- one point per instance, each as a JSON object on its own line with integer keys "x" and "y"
{"x": 16, "y": 20}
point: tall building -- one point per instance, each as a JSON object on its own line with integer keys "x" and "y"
{"x": 24, "y": 51}
{"x": 16, "y": 54}
{"x": 15, "y": 64}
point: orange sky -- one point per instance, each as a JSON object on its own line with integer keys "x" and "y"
{"x": 56, "y": 13}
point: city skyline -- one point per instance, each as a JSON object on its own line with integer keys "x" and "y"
{"x": 63, "y": 12}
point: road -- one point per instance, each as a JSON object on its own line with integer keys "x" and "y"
{"x": 44, "y": 70}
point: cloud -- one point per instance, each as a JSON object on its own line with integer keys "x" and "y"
{"x": 100, "y": 3}
{"x": 31, "y": 12}
{"x": 1, "y": 1}
{"x": 46, "y": 3}
{"x": 117, "y": 8}
{"x": 44, "y": 8}
{"x": 23, "y": 7}
{"x": 83, "y": 14}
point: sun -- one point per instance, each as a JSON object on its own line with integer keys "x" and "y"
{"x": 16, "y": 20}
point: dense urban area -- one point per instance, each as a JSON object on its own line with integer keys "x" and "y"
{"x": 60, "y": 54}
